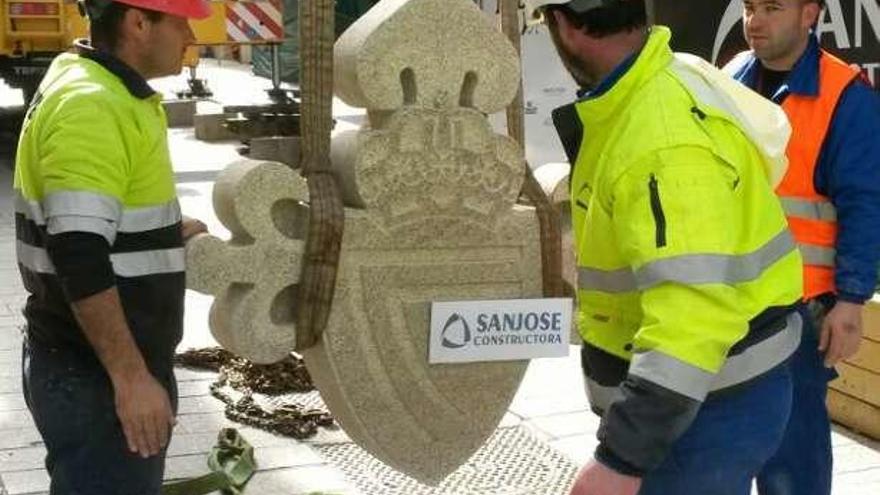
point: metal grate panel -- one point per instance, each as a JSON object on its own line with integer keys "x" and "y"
{"x": 308, "y": 400}
{"x": 513, "y": 462}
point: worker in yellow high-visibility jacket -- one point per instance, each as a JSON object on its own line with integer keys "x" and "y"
{"x": 100, "y": 248}
{"x": 688, "y": 277}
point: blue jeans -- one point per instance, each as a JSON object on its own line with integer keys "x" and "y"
{"x": 71, "y": 400}
{"x": 729, "y": 442}
{"x": 803, "y": 464}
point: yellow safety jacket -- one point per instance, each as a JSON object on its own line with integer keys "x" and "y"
{"x": 94, "y": 188}
{"x": 687, "y": 273}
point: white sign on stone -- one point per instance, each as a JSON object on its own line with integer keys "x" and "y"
{"x": 476, "y": 331}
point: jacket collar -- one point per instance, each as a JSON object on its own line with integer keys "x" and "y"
{"x": 133, "y": 81}
{"x": 610, "y": 80}
{"x": 803, "y": 79}
{"x": 629, "y": 77}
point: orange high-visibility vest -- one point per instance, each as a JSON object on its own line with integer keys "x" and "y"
{"x": 811, "y": 216}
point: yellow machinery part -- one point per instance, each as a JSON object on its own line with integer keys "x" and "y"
{"x": 22, "y": 34}
{"x": 212, "y": 30}
{"x": 50, "y": 34}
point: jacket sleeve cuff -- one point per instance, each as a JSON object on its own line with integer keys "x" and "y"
{"x": 82, "y": 263}
{"x": 851, "y": 297}
{"x": 611, "y": 460}
{"x": 640, "y": 427}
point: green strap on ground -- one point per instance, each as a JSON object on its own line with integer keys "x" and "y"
{"x": 232, "y": 465}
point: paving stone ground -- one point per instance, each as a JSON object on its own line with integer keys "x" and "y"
{"x": 550, "y": 402}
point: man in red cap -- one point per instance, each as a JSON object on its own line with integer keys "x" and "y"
{"x": 100, "y": 248}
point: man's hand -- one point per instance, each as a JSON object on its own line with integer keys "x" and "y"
{"x": 145, "y": 412}
{"x": 841, "y": 332}
{"x": 190, "y": 227}
{"x": 597, "y": 479}
{"x": 142, "y": 404}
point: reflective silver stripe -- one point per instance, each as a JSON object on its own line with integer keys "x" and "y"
{"x": 150, "y": 218}
{"x": 141, "y": 263}
{"x": 690, "y": 269}
{"x": 691, "y": 381}
{"x": 136, "y": 264}
{"x": 694, "y": 269}
{"x": 612, "y": 281}
{"x": 72, "y": 207}
{"x": 811, "y": 210}
{"x": 817, "y": 255}
{"x": 30, "y": 209}
{"x": 82, "y": 203}
{"x": 761, "y": 357}
{"x": 68, "y": 223}
{"x": 600, "y": 396}
{"x": 34, "y": 258}
{"x": 671, "y": 373}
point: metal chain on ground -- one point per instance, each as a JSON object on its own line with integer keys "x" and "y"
{"x": 239, "y": 380}
{"x": 289, "y": 419}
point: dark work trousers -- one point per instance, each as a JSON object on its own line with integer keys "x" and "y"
{"x": 729, "y": 442}
{"x": 802, "y": 466}
{"x": 71, "y": 399}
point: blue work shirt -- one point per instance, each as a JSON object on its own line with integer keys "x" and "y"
{"x": 848, "y": 172}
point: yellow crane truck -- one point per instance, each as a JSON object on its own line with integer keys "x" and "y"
{"x": 33, "y": 32}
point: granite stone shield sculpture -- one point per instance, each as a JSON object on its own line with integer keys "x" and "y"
{"x": 430, "y": 192}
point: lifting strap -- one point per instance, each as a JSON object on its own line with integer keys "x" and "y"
{"x": 326, "y": 214}
{"x": 232, "y": 465}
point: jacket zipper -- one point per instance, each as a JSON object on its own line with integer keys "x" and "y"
{"x": 657, "y": 210}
